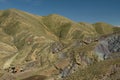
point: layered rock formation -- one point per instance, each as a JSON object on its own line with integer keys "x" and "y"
{"x": 52, "y": 46}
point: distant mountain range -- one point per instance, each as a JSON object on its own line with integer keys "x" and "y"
{"x": 54, "y": 48}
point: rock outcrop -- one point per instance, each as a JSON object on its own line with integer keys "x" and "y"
{"x": 52, "y": 45}
{"x": 108, "y": 45}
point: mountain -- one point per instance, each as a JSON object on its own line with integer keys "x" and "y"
{"x": 53, "y": 47}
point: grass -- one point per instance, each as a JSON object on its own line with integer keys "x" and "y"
{"x": 45, "y": 30}
{"x": 36, "y": 77}
{"x": 93, "y": 71}
{"x": 103, "y": 28}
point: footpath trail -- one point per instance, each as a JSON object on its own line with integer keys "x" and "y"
{"x": 9, "y": 61}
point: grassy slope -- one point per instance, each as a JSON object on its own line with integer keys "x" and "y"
{"x": 93, "y": 72}
{"x": 103, "y": 28}
{"x": 44, "y": 30}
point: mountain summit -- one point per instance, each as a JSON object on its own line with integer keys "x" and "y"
{"x": 49, "y": 47}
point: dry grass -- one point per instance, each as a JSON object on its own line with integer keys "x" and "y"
{"x": 36, "y": 77}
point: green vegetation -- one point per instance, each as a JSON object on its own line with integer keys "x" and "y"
{"x": 44, "y": 45}
{"x": 95, "y": 71}
{"x": 103, "y": 28}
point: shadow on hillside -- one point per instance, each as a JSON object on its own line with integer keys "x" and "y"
{"x": 36, "y": 77}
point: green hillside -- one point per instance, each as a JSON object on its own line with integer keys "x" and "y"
{"x": 52, "y": 47}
